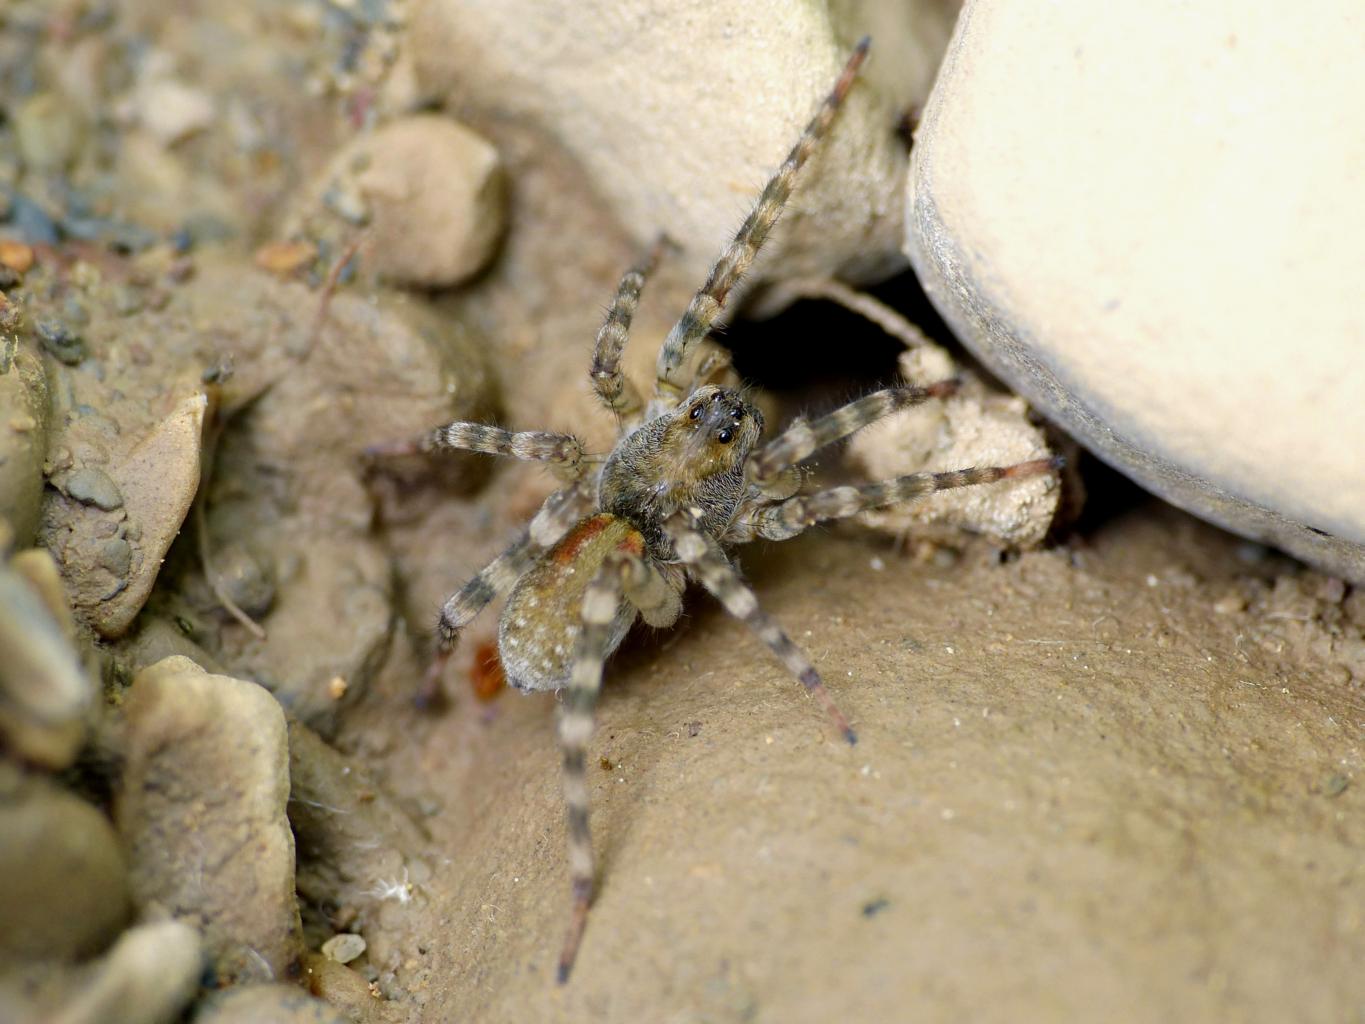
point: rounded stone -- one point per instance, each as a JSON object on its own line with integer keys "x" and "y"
{"x": 1162, "y": 254}
{"x": 266, "y": 1004}
{"x": 436, "y": 198}
{"x": 63, "y": 880}
{"x": 679, "y": 113}
{"x": 24, "y": 431}
{"x": 92, "y": 486}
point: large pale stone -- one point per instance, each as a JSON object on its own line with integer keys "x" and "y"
{"x": 1147, "y": 218}
{"x": 432, "y": 193}
{"x": 201, "y": 809}
{"x": 679, "y": 113}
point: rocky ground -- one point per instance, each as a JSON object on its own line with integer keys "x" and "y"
{"x": 1114, "y": 776}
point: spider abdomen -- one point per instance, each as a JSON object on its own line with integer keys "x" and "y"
{"x": 541, "y": 621}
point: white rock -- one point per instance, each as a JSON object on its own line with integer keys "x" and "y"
{"x": 344, "y": 948}
{"x": 1147, "y": 218}
{"x": 435, "y": 196}
{"x": 170, "y": 110}
{"x": 975, "y": 427}
{"x": 148, "y": 977}
{"x": 680, "y": 112}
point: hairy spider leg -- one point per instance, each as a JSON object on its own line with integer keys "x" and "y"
{"x": 552, "y": 521}
{"x": 718, "y": 575}
{"x": 617, "y": 392}
{"x": 712, "y": 365}
{"x": 786, "y": 519}
{"x": 870, "y": 308}
{"x": 624, "y": 572}
{"x": 563, "y": 451}
{"x": 802, "y": 439}
{"x": 709, "y": 301}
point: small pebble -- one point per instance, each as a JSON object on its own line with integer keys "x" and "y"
{"x": 245, "y": 577}
{"x": 64, "y": 345}
{"x": 1230, "y": 603}
{"x": 285, "y": 258}
{"x": 343, "y": 948}
{"x": 874, "y": 907}
{"x": 92, "y": 486}
{"x": 17, "y": 256}
{"x": 117, "y": 556}
{"x": 49, "y": 132}
{"x": 32, "y": 222}
{"x": 172, "y": 111}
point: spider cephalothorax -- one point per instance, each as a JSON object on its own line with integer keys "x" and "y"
{"x": 686, "y": 480}
{"x": 689, "y": 457}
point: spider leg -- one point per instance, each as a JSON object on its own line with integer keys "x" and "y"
{"x": 866, "y": 306}
{"x": 563, "y": 451}
{"x": 712, "y": 364}
{"x": 617, "y": 392}
{"x": 718, "y": 575}
{"x": 554, "y": 518}
{"x": 788, "y": 518}
{"x": 709, "y": 301}
{"x": 803, "y": 439}
{"x": 623, "y": 573}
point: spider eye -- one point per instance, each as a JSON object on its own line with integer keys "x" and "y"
{"x": 725, "y": 436}
{"x": 694, "y": 412}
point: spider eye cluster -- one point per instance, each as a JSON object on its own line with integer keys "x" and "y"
{"x": 725, "y": 436}
{"x": 694, "y": 413}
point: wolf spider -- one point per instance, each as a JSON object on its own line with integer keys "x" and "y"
{"x": 686, "y": 480}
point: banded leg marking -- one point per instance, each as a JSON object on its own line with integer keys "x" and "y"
{"x": 562, "y": 450}
{"x": 802, "y": 439}
{"x": 617, "y": 393}
{"x": 709, "y": 301}
{"x": 718, "y": 575}
{"x": 554, "y": 518}
{"x": 791, "y": 517}
{"x": 623, "y": 573}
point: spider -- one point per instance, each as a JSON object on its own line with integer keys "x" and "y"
{"x": 686, "y": 480}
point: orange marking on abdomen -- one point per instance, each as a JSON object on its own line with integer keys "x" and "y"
{"x": 572, "y": 542}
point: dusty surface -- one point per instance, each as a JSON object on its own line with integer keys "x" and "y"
{"x": 1113, "y": 782}
{"x": 1123, "y": 242}
{"x": 1115, "y": 778}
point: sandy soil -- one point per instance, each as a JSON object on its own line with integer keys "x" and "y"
{"x": 1114, "y": 779}
{"x": 1090, "y": 785}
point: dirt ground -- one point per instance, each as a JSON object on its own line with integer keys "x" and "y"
{"x": 1113, "y": 781}
{"x": 1116, "y": 778}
